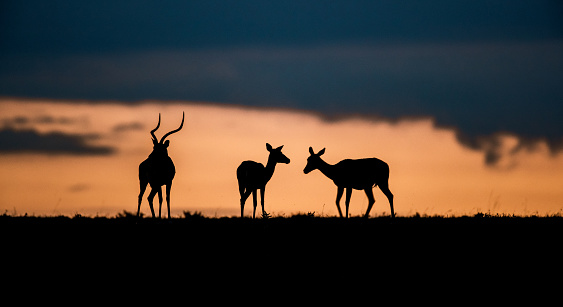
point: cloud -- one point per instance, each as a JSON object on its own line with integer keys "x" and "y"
{"x": 128, "y": 126}
{"x": 52, "y": 143}
{"x": 477, "y": 66}
{"x": 79, "y": 187}
{"x": 491, "y": 145}
{"x": 39, "y": 120}
{"x": 478, "y": 88}
{"x": 36, "y": 27}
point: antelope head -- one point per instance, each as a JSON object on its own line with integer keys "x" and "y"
{"x": 314, "y": 160}
{"x": 276, "y": 154}
{"x": 160, "y": 148}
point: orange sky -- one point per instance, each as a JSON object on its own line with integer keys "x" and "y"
{"x": 431, "y": 173}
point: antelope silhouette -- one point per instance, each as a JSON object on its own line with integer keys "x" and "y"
{"x": 157, "y": 170}
{"x": 362, "y": 174}
{"x": 252, "y": 176}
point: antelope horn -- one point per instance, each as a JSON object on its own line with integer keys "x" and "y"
{"x": 173, "y": 131}
{"x": 152, "y": 131}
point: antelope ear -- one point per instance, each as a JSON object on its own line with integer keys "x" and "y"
{"x": 166, "y": 143}
{"x": 279, "y": 148}
{"x": 321, "y": 152}
{"x": 268, "y": 147}
{"x": 311, "y": 151}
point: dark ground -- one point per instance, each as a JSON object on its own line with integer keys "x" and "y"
{"x": 286, "y": 255}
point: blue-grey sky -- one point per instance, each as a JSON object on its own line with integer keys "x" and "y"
{"x": 481, "y": 67}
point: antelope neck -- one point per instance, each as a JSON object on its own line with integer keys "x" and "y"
{"x": 270, "y": 167}
{"x": 326, "y": 169}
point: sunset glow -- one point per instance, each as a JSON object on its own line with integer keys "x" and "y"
{"x": 431, "y": 172}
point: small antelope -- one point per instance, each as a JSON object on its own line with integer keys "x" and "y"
{"x": 253, "y": 176}
{"x": 157, "y": 170}
{"x": 362, "y": 174}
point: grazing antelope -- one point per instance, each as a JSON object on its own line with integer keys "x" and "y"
{"x": 157, "y": 170}
{"x": 253, "y": 176}
{"x": 362, "y": 174}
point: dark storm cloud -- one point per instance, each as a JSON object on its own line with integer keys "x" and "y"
{"x": 63, "y": 26}
{"x": 481, "y": 67}
{"x": 53, "y": 143}
{"x": 478, "y": 88}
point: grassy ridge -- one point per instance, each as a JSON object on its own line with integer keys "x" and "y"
{"x": 194, "y": 226}
{"x": 300, "y": 247}
{"x": 126, "y": 218}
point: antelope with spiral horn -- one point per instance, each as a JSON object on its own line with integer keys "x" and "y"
{"x": 157, "y": 170}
